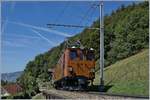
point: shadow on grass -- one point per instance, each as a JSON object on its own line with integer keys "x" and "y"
{"x": 95, "y": 88}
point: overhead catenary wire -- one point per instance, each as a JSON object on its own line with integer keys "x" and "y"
{"x": 93, "y": 13}
{"x": 56, "y": 21}
{"x": 67, "y": 25}
{"x": 77, "y": 26}
{"x": 85, "y": 16}
{"x": 78, "y": 16}
{"x": 93, "y": 6}
{"x": 62, "y": 12}
{"x": 92, "y": 9}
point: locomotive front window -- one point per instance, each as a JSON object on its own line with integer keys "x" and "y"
{"x": 90, "y": 56}
{"x": 73, "y": 54}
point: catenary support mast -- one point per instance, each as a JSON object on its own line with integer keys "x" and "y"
{"x": 101, "y": 47}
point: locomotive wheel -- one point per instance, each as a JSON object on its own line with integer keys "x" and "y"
{"x": 72, "y": 84}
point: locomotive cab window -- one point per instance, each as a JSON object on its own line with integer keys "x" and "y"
{"x": 73, "y": 54}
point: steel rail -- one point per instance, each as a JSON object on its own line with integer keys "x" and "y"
{"x": 100, "y": 94}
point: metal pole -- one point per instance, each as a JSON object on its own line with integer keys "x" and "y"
{"x": 101, "y": 48}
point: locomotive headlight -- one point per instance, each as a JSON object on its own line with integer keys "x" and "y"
{"x": 92, "y": 70}
{"x": 73, "y": 47}
{"x": 91, "y": 49}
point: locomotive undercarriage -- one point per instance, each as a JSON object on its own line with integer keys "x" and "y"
{"x": 72, "y": 83}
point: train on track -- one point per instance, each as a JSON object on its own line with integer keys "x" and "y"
{"x": 75, "y": 69}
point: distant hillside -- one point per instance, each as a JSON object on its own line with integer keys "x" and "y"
{"x": 129, "y": 76}
{"x": 126, "y": 33}
{"x": 11, "y": 77}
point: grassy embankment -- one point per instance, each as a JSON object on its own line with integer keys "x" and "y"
{"x": 129, "y": 76}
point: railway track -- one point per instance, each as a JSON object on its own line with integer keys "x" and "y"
{"x": 119, "y": 95}
{"x": 60, "y": 94}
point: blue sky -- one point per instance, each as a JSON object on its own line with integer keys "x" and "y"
{"x": 24, "y": 27}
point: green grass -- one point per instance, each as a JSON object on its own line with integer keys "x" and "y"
{"x": 129, "y": 76}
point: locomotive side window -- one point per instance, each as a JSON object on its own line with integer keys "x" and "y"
{"x": 73, "y": 54}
